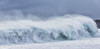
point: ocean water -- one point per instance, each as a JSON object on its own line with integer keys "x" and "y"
{"x": 67, "y": 27}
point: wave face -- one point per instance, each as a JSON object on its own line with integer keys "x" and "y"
{"x": 68, "y": 27}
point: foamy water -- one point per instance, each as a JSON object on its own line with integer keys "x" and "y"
{"x": 68, "y": 27}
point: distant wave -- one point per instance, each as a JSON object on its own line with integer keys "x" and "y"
{"x": 68, "y": 27}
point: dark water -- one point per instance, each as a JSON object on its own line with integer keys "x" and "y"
{"x": 98, "y": 23}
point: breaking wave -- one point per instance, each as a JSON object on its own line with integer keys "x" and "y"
{"x": 68, "y": 27}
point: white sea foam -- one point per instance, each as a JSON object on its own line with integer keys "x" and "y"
{"x": 68, "y": 27}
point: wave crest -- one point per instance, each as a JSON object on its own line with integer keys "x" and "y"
{"x": 68, "y": 27}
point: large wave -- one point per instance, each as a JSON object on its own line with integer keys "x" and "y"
{"x": 68, "y": 27}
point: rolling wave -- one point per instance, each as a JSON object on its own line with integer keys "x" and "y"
{"x": 68, "y": 27}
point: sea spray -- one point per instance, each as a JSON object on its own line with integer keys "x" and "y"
{"x": 56, "y": 29}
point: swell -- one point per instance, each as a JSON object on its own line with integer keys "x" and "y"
{"x": 69, "y": 27}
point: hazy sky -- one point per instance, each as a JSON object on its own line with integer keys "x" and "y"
{"x": 48, "y": 8}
